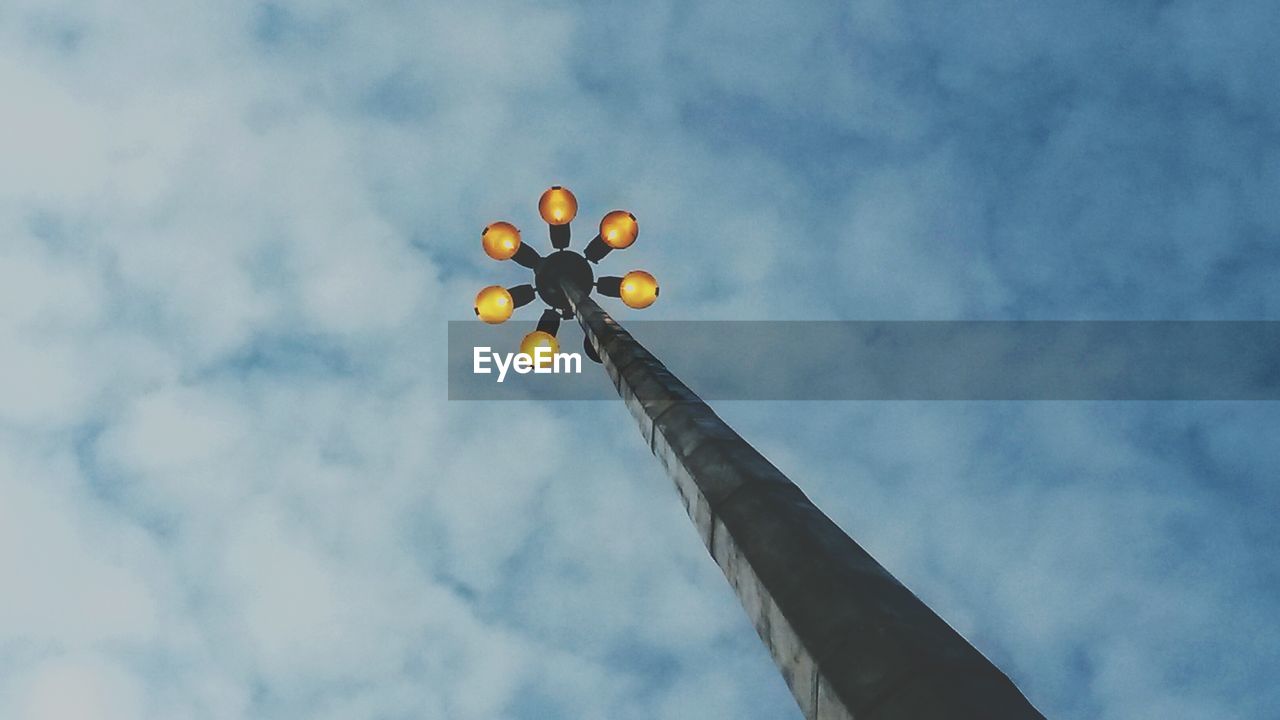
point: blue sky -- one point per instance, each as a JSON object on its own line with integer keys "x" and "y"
{"x": 231, "y": 235}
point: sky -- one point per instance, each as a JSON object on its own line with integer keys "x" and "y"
{"x": 231, "y": 236}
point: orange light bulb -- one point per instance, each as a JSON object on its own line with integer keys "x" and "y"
{"x": 501, "y": 240}
{"x": 619, "y": 229}
{"x": 638, "y": 289}
{"x": 536, "y": 339}
{"x": 494, "y": 304}
{"x": 557, "y": 206}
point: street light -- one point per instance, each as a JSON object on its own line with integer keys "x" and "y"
{"x": 618, "y": 230}
{"x": 850, "y": 639}
{"x": 562, "y": 268}
{"x": 540, "y": 339}
{"x": 558, "y": 206}
{"x": 494, "y": 304}
{"x": 638, "y": 289}
{"x": 501, "y": 240}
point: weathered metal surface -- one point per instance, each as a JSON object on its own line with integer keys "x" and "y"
{"x": 851, "y": 641}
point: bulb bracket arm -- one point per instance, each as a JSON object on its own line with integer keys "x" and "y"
{"x": 527, "y": 256}
{"x": 560, "y": 236}
{"x": 609, "y": 285}
{"x": 596, "y": 250}
{"x": 521, "y": 295}
{"x": 549, "y": 322}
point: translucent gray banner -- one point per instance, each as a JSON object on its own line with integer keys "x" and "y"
{"x": 909, "y": 360}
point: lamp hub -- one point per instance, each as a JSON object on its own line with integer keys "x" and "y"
{"x": 565, "y": 266}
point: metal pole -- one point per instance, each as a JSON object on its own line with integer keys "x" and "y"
{"x": 851, "y": 641}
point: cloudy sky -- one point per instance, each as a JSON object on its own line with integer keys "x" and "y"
{"x": 231, "y": 235}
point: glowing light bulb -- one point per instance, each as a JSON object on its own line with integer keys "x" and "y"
{"x": 494, "y": 304}
{"x": 619, "y": 229}
{"x": 638, "y": 289}
{"x": 536, "y": 339}
{"x": 501, "y": 240}
{"x": 557, "y": 206}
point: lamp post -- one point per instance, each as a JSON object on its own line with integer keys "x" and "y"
{"x": 851, "y": 641}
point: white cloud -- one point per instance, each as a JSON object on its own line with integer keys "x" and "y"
{"x": 84, "y": 688}
{"x": 72, "y": 579}
{"x": 230, "y": 485}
